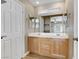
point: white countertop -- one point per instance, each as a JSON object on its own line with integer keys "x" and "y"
{"x": 49, "y": 35}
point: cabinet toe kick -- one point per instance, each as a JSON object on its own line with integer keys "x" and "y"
{"x": 58, "y": 56}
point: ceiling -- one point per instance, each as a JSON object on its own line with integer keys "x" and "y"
{"x": 42, "y": 2}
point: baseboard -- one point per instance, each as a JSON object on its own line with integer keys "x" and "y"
{"x": 25, "y": 54}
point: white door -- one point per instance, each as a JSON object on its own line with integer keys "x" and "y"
{"x": 75, "y": 49}
{"x": 5, "y": 32}
{"x": 12, "y": 28}
{"x": 17, "y": 30}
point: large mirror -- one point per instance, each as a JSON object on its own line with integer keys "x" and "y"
{"x": 49, "y": 24}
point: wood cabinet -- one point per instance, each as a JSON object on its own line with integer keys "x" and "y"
{"x": 56, "y": 48}
{"x": 59, "y": 48}
{"x": 33, "y": 45}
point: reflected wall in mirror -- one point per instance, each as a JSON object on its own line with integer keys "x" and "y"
{"x": 58, "y": 24}
{"x": 34, "y": 25}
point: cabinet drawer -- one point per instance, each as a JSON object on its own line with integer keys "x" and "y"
{"x": 44, "y": 46}
{"x": 44, "y": 40}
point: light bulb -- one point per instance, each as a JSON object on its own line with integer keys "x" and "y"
{"x": 37, "y": 2}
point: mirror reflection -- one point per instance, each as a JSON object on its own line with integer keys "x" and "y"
{"x": 49, "y": 24}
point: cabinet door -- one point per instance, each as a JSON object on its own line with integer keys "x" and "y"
{"x": 34, "y": 45}
{"x": 44, "y": 47}
{"x": 59, "y": 48}
{"x": 63, "y": 48}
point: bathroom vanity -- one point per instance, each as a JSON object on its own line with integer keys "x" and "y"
{"x": 47, "y": 36}
{"x": 49, "y": 45}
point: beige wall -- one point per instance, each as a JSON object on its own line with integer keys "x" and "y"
{"x": 66, "y": 5}
{"x": 52, "y": 5}
{"x": 70, "y": 12}
{"x": 29, "y": 7}
{"x": 33, "y": 11}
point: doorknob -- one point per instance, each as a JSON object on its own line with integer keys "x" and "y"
{"x": 3, "y": 1}
{"x": 75, "y": 39}
{"x": 3, "y": 37}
